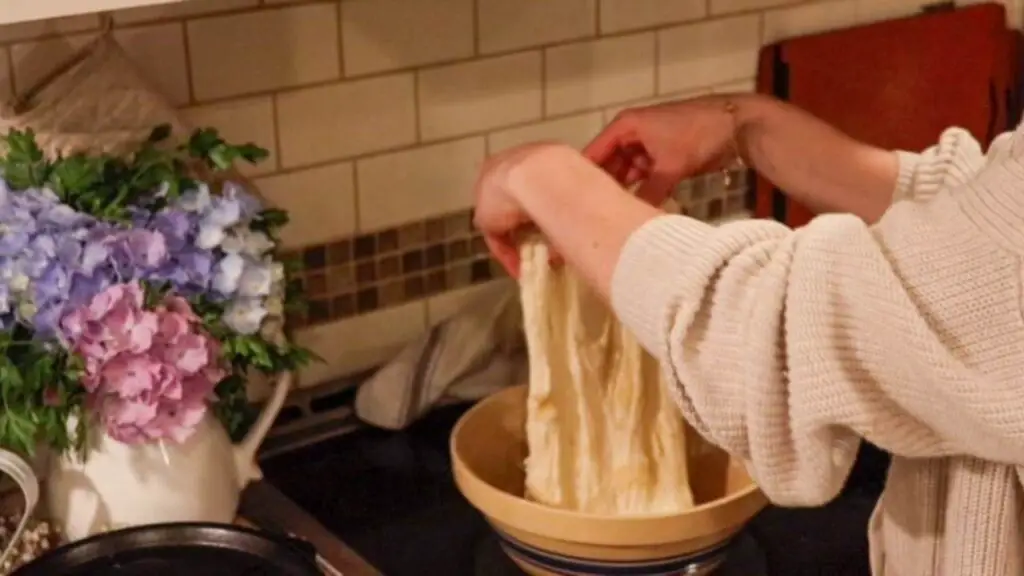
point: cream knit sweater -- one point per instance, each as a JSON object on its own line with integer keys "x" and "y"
{"x": 787, "y": 347}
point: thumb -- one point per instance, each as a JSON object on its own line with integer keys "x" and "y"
{"x": 505, "y": 251}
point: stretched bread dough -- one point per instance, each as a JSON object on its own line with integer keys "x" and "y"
{"x": 602, "y": 433}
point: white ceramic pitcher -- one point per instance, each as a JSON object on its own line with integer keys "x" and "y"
{"x": 121, "y": 485}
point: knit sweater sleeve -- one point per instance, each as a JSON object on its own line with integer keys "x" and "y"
{"x": 787, "y": 347}
{"x": 954, "y": 158}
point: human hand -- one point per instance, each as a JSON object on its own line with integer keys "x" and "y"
{"x": 532, "y": 168}
{"x": 657, "y": 146}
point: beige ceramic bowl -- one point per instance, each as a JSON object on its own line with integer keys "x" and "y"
{"x": 488, "y": 448}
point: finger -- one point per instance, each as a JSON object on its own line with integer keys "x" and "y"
{"x": 618, "y": 134}
{"x": 657, "y": 188}
{"x": 505, "y": 252}
{"x": 639, "y": 169}
{"x": 615, "y": 165}
{"x": 634, "y": 176}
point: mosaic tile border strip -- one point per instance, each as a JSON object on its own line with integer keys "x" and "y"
{"x": 386, "y": 268}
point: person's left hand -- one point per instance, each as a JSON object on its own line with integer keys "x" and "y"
{"x": 499, "y": 214}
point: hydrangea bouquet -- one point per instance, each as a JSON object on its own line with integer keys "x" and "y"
{"x": 135, "y": 295}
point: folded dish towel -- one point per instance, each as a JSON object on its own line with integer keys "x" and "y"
{"x": 469, "y": 356}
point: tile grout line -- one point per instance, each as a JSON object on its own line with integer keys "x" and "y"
{"x": 228, "y": 12}
{"x": 339, "y": 6}
{"x": 275, "y": 123}
{"x": 417, "y": 114}
{"x": 356, "y": 216}
{"x": 11, "y": 81}
{"x": 657, "y": 63}
{"x": 476, "y": 29}
{"x": 375, "y": 74}
{"x": 544, "y": 84}
{"x": 188, "y": 63}
{"x": 483, "y": 133}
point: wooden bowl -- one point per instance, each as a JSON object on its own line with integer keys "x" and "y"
{"x": 488, "y": 447}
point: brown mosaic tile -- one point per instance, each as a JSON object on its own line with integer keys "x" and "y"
{"x": 343, "y": 306}
{"x": 366, "y": 272}
{"x": 314, "y": 257}
{"x": 458, "y": 276}
{"x": 340, "y": 279}
{"x": 412, "y": 261}
{"x": 435, "y": 282}
{"x": 318, "y": 311}
{"x": 478, "y": 246}
{"x": 365, "y": 246}
{"x": 339, "y": 252}
{"x": 387, "y": 241}
{"x": 414, "y": 287}
{"x": 386, "y": 268}
{"x": 412, "y": 234}
{"x": 434, "y": 256}
{"x": 366, "y": 300}
{"x": 391, "y": 293}
{"x": 316, "y": 285}
{"x": 715, "y": 208}
{"x": 435, "y": 230}
{"x": 459, "y": 224}
{"x": 389, "y": 267}
{"x": 458, "y": 250}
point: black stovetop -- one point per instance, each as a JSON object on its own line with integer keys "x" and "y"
{"x": 391, "y": 497}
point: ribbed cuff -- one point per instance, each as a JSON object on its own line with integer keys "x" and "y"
{"x": 650, "y": 275}
{"x": 905, "y": 178}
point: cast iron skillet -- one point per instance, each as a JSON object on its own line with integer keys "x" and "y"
{"x": 185, "y": 549}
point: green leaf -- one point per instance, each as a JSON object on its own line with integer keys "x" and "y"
{"x": 160, "y": 133}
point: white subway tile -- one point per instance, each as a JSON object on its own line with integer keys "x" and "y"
{"x": 52, "y": 27}
{"x": 480, "y": 95}
{"x": 159, "y": 53}
{"x": 239, "y": 122}
{"x": 34, "y": 61}
{"x": 877, "y": 10}
{"x": 613, "y": 111}
{"x": 418, "y": 183}
{"x": 739, "y": 87}
{"x": 513, "y": 24}
{"x": 619, "y": 15}
{"x": 266, "y": 50}
{"x": 708, "y": 53}
{"x": 382, "y": 35}
{"x": 359, "y": 343}
{"x": 321, "y": 203}
{"x": 576, "y": 131}
{"x": 588, "y": 75}
{"x": 346, "y": 119}
{"x": 808, "y": 19}
{"x": 727, "y": 6}
{"x": 182, "y": 9}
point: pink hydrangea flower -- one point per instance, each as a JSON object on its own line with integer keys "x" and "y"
{"x": 150, "y": 374}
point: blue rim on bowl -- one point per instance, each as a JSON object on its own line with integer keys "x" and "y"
{"x": 690, "y": 563}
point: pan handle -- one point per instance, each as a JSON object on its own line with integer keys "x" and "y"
{"x": 19, "y": 470}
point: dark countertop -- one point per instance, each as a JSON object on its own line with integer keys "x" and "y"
{"x": 390, "y": 496}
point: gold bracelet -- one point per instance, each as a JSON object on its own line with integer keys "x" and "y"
{"x": 736, "y": 162}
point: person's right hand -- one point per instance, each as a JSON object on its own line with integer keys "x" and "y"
{"x": 657, "y": 146}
